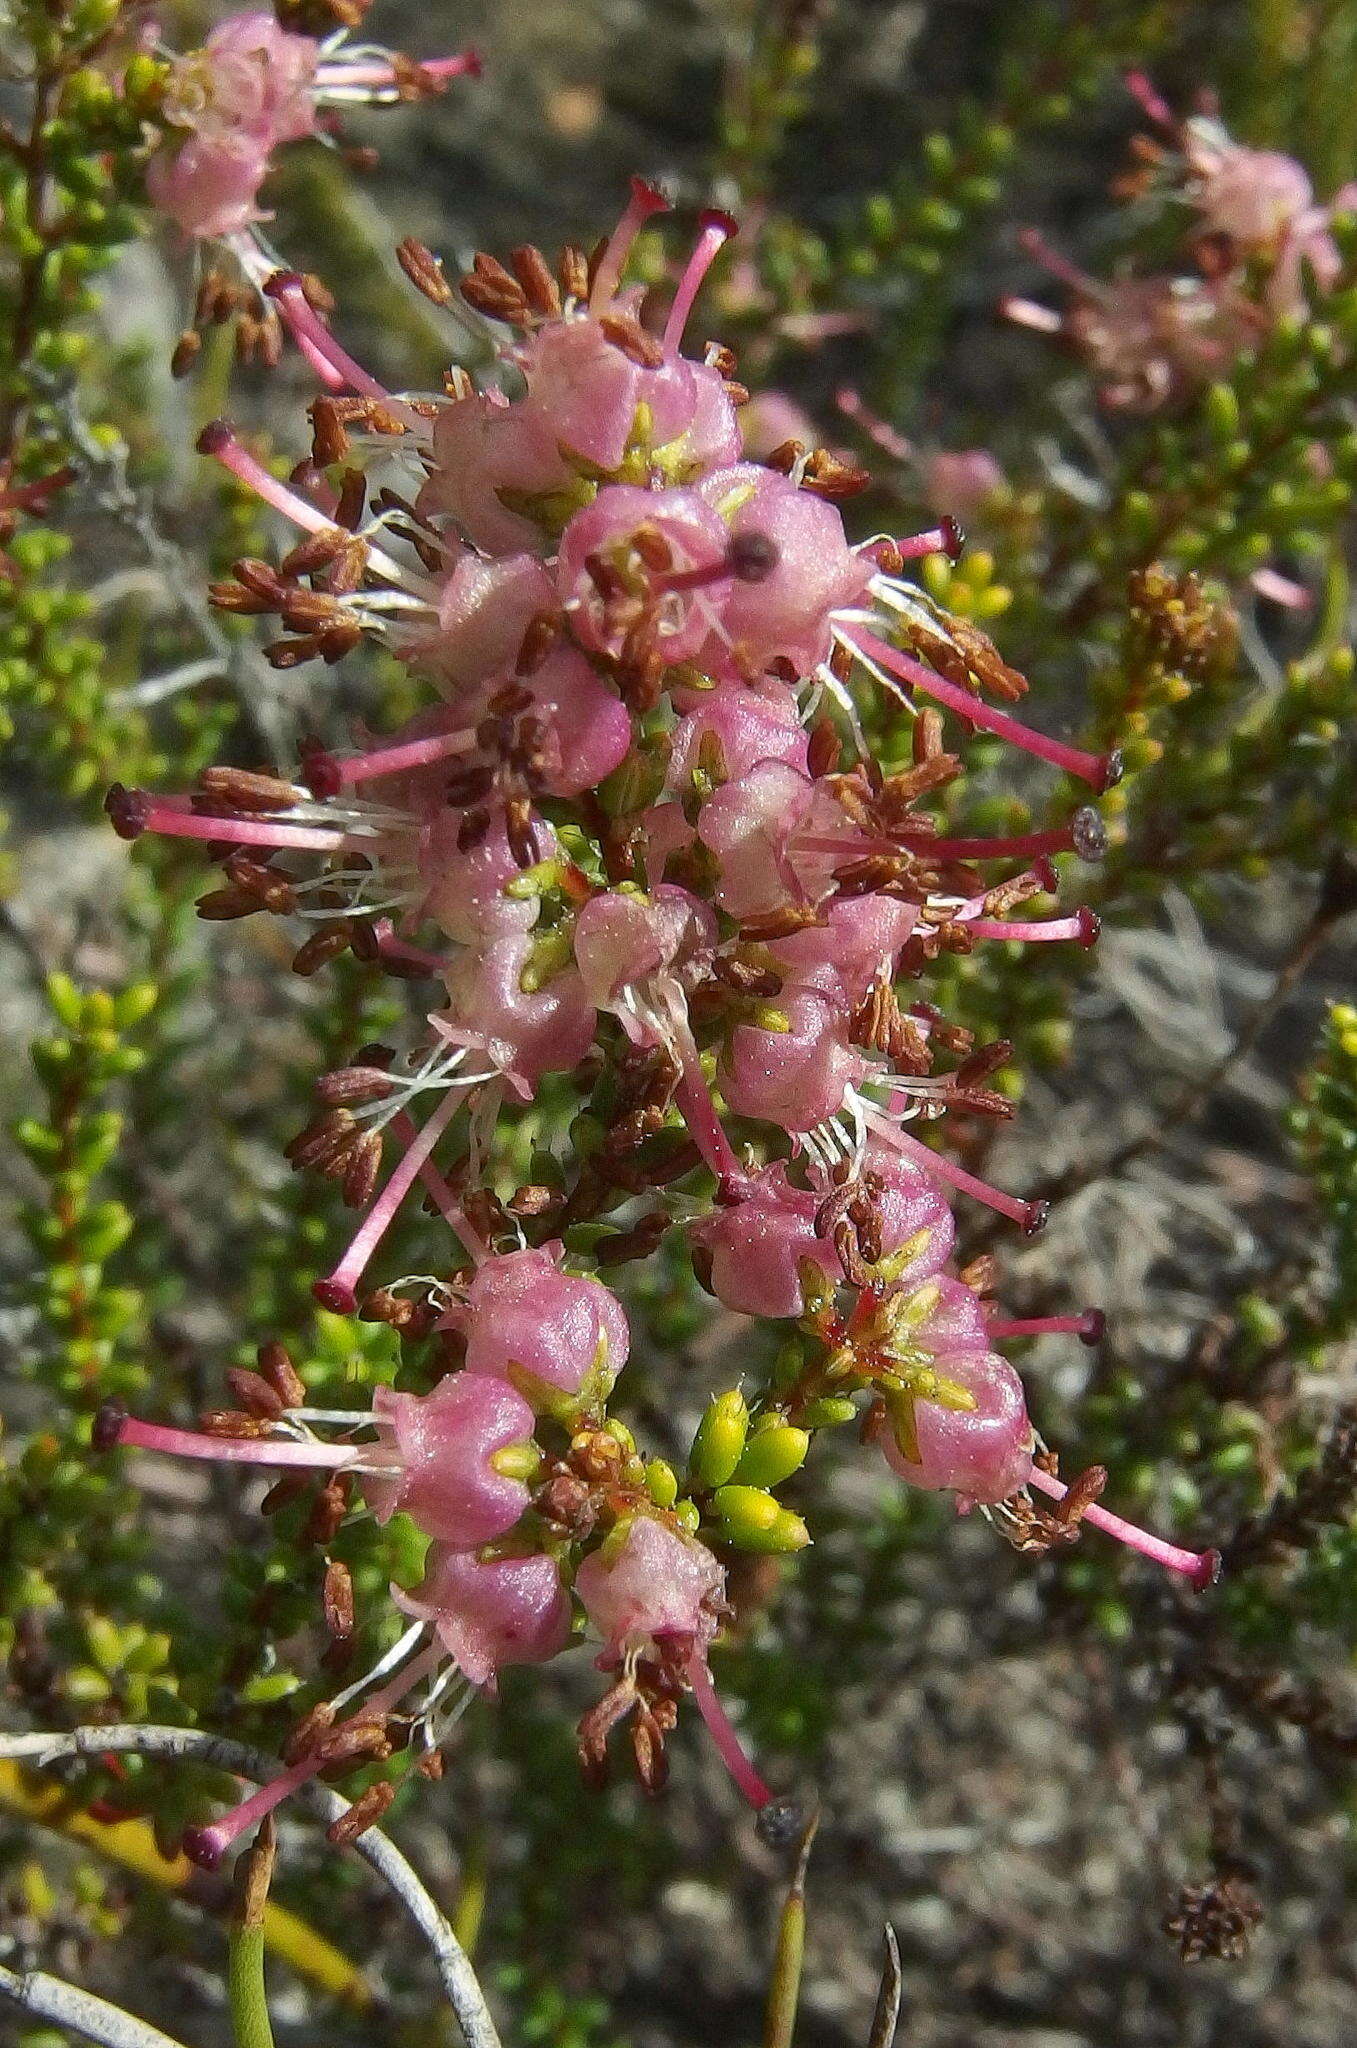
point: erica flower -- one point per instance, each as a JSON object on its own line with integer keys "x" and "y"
{"x": 664, "y": 922}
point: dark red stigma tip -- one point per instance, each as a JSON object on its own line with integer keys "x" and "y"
{"x": 108, "y": 1421}
{"x": 1090, "y": 924}
{"x": 128, "y": 810}
{"x": 320, "y": 773}
{"x": 643, "y": 190}
{"x": 1113, "y": 770}
{"x": 281, "y": 281}
{"x": 1207, "y": 1573}
{"x": 331, "y": 1294}
{"x": 953, "y": 537}
{"x": 1095, "y": 1327}
{"x": 473, "y": 64}
{"x": 216, "y": 435}
{"x": 1035, "y": 1218}
{"x": 201, "y": 1847}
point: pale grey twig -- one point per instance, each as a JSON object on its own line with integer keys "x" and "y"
{"x": 94, "y": 2019}
{"x": 376, "y": 1849}
{"x": 154, "y": 689}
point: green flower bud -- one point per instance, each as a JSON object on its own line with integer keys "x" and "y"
{"x": 772, "y": 1455}
{"x": 720, "y": 1439}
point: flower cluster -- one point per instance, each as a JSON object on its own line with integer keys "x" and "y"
{"x": 226, "y": 109}
{"x": 638, "y": 839}
{"x": 1255, "y": 233}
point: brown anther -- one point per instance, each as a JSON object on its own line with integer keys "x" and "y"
{"x": 277, "y": 1368}
{"x": 780, "y": 924}
{"x": 337, "y": 1600}
{"x": 241, "y": 790}
{"x": 430, "y": 1765}
{"x": 572, "y": 268}
{"x": 232, "y": 1422}
{"x": 981, "y": 1275}
{"x": 424, "y": 271}
{"x": 1083, "y": 1492}
{"x": 469, "y": 784}
{"x": 640, "y": 1242}
{"x": 322, "y": 947}
{"x": 235, "y": 598}
{"x": 353, "y": 491}
{"x": 746, "y": 977}
{"x": 824, "y": 749}
{"x": 365, "y": 1812}
{"x": 472, "y": 830}
{"x": 220, "y": 906}
{"x": 328, "y": 1510}
{"x": 510, "y": 699}
{"x": 286, "y": 654}
{"x": 531, "y": 269}
{"x": 302, "y": 1740}
{"x": 720, "y": 358}
{"x": 362, "y": 1171}
{"x": 254, "y": 1393}
{"x": 540, "y": 635}
{"x": 627, "y": 334}
{"x": 518, "y": 829}
{"x": 187, "y": 350}
{"x": 827, "y": 477}
{"x": 533, "y": 1199}
{"x": 329, "y": 441}
{"x": 347, "y": 1087}
{"x": 497, "y": 301}
{"x": 652, "y": 547}
{"x": 785, "y": 456}
{"x": 738, "y": 394}
{"x": 317, "y": 551}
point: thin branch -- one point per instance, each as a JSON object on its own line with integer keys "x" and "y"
{"x": 887, "y": 2016}
{"x": 454, "y": 1967}
{"x": 94, "y": 2019}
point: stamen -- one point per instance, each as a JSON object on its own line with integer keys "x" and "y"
{"x": 1085, "y": 835}
{"x": 1101, "y": 771}
{"x": 219, "y": 441}
{"x": 646, "y": 201}
{"x": 716, "y": 229}
{"x": 723, "y": 1734}
{"x": 395, "y": 760}
{"x": 206, "y": 1846}
{"x": 1200, "y": 1568}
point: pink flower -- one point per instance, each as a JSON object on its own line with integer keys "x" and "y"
{"x": 445, "y": 1444}
{"x": 527, "y": 1321}
{"x": 647, "y": 1586}
{"x": 796, "y": 1078}
{"x": 982, "y": 1452}
{"x": 490, "y": 1612}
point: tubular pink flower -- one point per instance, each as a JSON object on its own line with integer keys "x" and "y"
{"x": 491, "y": 1612}
{"x": 905, "y": 674}
{"x": 1200, "y": 1568}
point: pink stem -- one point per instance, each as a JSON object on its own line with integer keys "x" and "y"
{"x": 944, "y": 539}
{"x": 466, "y": 64}
{"x": 1088, "y": 1327}
{"x": 191, "y": 1443}
{"x": 307, "y": 327}
{"x": 1031, "y": 1215}
{"x": 723, "y": 1734}
{"x": 694, "y": 1099}
{"x": 1099, "y": 770}
{"x": 854, "y": 407}
{"x": 449, "y": 1207}
{"x": 1059, "y": 840}
{"x": 392, "y": 948}
{"x": 1149, "y": 101}
{"x": 645, "y": 202}
{"x": 206, "y": 1846}
{"x": 219, "y": 441}
{"x": 1200, "y": 1568}
{"x": 1083, "y": 926}
{"x": 716, "y": 230}
{"x": 172, "y": 823}
{"x": 337, "y": 1291}
{"x": 411, "y": 754}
